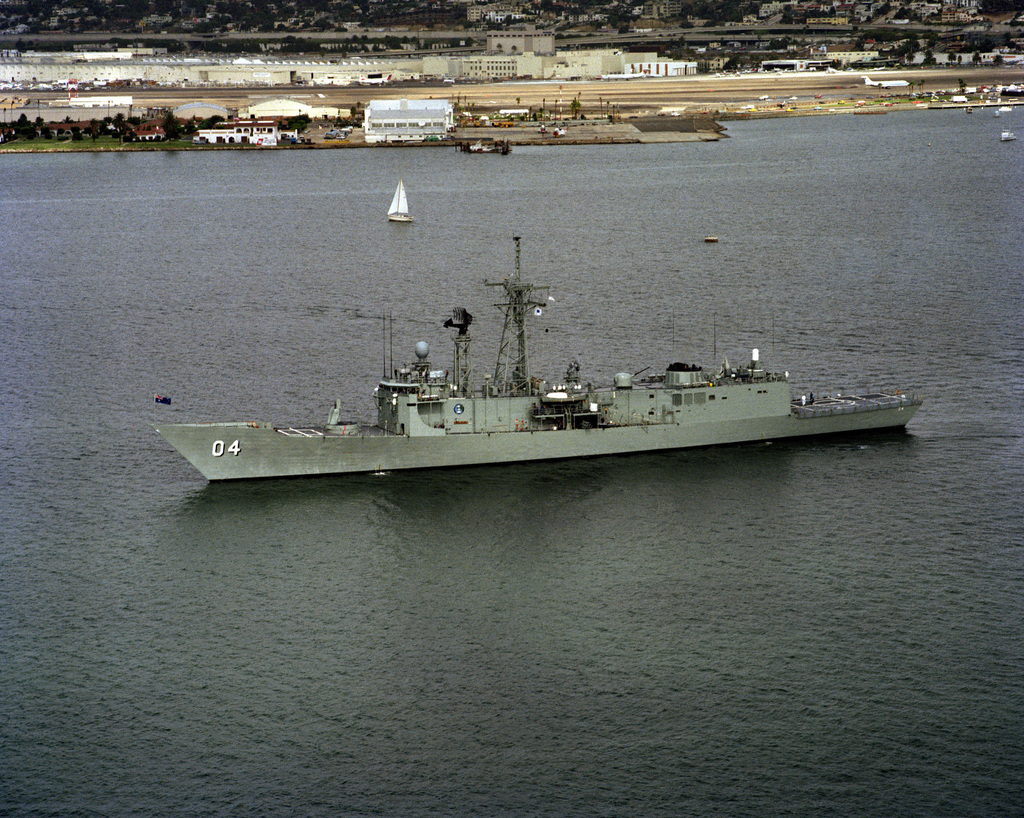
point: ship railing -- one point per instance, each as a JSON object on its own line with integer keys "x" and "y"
{"x": 745, "y": 379}
{"x": 334, "y": 430}
{"x": 826, "y": 410}
{"x": 852, "y": 404}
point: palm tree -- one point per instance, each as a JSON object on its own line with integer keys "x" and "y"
{"x": 120, "y": 125}
{"x": 170, "y": 126}
{"x": 575, "y": 107}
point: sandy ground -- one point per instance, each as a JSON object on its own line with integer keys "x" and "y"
{"x": 705, "y": 93}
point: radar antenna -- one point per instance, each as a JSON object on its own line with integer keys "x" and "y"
{"x": 512, "y": 370}
{"x": 460, "y": 320}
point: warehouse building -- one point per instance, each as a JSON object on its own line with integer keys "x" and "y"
{"x": 407, "y": 120}
{"x": 285, "y": 107}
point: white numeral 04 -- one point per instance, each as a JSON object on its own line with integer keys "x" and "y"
{"x": 218, "y": 448}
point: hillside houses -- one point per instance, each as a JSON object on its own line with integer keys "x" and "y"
{"x": 287, "y": 16}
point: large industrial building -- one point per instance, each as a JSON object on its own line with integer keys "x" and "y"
{"x": 528, "y": 41}
{"x": 407, "y": 120}
{"x": 509, "y": 56}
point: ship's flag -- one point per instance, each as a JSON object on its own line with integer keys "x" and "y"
{"x": 162, "y": 399}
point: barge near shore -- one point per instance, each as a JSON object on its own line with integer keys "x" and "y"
{"x": 434, "y": 418}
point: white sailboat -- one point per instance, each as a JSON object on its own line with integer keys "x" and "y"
{"x": 399, "y": 211}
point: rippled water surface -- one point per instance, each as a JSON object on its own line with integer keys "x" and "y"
{"x": 818, "y": 627}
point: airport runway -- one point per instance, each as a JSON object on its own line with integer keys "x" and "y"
{"x": 626, "y": 97}
{"x": 694, "y": 94}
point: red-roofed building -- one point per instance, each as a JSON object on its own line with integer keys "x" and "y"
{"x": 150, "y": 133}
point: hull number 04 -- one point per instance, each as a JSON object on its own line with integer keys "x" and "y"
{"x": 218, "y": 448}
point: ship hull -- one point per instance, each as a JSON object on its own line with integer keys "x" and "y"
{"x": 238, "y": 451}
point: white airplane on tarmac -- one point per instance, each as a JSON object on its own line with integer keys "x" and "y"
{"x": 375, "y": 79}
{"x": 887, "y": 83}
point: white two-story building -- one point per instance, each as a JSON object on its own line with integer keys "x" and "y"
{"x": 407, "y": 120}
{"x": 262, "y": 132}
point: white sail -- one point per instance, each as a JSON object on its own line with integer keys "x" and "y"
{"x": 399, "y": 210}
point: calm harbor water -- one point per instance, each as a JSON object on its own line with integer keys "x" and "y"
{"x": 810, "y": 628}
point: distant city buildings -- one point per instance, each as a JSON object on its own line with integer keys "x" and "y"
{"x": 528, "y": 51}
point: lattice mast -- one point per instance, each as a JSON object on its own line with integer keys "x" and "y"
{"x": 512, "y": 370}
{"x": 460, "y": 321}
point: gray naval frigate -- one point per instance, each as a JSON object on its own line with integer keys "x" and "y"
{"x": 433, "y": 418}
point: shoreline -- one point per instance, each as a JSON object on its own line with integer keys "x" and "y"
{"x": 677, "y": 109}
{"x": 663, "y": 128}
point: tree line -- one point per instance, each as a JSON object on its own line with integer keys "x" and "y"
{"x": 123, "y": 128}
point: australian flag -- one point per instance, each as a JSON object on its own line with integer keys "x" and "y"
{"x": 162, "y": 399}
